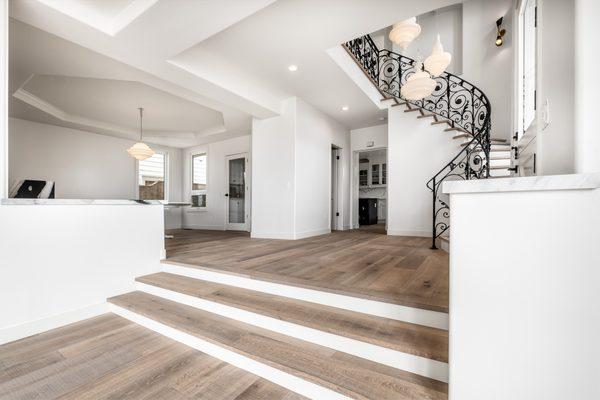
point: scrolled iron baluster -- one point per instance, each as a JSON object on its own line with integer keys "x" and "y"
{"x": 390, "y": 70}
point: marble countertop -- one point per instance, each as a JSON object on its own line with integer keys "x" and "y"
{"x": 71, "y": 202}
{"x": 525, "y": 184}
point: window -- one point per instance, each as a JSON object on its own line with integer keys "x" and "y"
{"x": 199, "y": 185}
{"x": 151, "y": 178}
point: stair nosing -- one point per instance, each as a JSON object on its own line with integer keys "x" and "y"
{"x": 260, "y": 334}
{"x": 407, "y": 327}
{"x": 355, "y": 295}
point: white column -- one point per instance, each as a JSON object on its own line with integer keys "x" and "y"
{"x": 587, "y": 101}
{"x": 3, "y": 99}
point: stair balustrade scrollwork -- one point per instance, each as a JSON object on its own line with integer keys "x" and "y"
{"x": 455, "y": 100}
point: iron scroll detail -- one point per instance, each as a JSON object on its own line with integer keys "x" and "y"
{"x": 455, "y": 100}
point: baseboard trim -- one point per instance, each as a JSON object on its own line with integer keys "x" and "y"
{"x": 434, "y": 319}
{"x": 206, "y": 227}
{"x": 289, "y": 236}
{"x": 287, "y": 380}
{"x": 271, "y": 235}
{"x": 316, "y": 232}
{"x": 400, "y": 232}
{"x": 16, "y": 332}
{"x": 393, "y": 358}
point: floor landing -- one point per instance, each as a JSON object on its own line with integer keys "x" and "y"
{"x": 364, "y": 263}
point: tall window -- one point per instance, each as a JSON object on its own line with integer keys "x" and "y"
{"x": 152, "y": 178}
{"x": 199, "y": 184}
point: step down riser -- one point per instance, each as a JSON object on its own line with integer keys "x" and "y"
{"x": 396, "y": 359}
{"x": 288, "y": 381}
{"x": 412, "y": 315}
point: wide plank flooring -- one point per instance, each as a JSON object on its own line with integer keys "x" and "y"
{"x": 401, "y": 336}
{"x": 355, "y": 377}
{"x": 362, "y": 263}
{"x": 109, "y": 357}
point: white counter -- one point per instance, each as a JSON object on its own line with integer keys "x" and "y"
{"x": 528, "y": 184}
{"x": 75, "y": 202}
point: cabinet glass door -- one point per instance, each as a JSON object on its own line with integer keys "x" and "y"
{"x": 375, "y": 174}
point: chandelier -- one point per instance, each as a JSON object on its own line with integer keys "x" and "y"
{"x": 404, "y": 32}
{"x": 439, "y": 59}
{"x": 140, "y": 151}
{"x": 419, "y": 85}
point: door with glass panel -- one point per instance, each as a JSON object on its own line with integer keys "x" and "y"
{"x": 236, "y": 197}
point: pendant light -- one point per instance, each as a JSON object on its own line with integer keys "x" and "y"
{"x": 404, "y": 32}
{"x": 419, "y": 85}
{"x": 439, "y": 59}
{"x": 140, "y": 151}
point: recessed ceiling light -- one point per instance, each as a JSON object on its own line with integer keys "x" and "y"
{"x": 345, "y": 108}
{"x": 293, "y": 68}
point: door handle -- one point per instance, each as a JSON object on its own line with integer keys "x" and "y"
{"x": 226, "y": 194}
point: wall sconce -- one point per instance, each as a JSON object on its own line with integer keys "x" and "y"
{"x": 500, "y": 32}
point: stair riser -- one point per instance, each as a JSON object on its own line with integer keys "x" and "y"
{"x": 401, "y": 313}
{"x": 289, "y": 381}
{"x": 396, "y": 359}
{"x": 500, "y": 163}
{"x": 499, "y": 172}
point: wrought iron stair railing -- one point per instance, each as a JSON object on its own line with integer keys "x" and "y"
{"x": 459, "y": 102}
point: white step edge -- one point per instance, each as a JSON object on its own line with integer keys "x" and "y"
{"x": 434, "y": 319}
{"x": 408, "y": 362}
{"x": 288, "y": 381}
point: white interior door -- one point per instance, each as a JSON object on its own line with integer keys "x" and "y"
{"x": 527, "y": 131}
{"x": 529, "y": 63}
{"x": 236, "y": 197}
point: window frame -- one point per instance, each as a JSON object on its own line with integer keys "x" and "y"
{"x": 167, "y": 182}
{"x": 195, "y": 192}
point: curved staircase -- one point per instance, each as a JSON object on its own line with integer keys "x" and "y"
{"x": 456, "y": 105}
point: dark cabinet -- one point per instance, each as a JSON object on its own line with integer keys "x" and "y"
{"x": 367, "y": 211}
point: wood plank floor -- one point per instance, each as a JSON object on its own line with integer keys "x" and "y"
{"x": 352, "y": 376}
{"x": 408, "y": 338}
{"x": 362, "y": 263}
{"x": 111, "y": 357}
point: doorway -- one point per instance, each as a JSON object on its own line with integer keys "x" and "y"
{"x": 526, "y": 103}
{"x": 370, "y": 199}
{"x": 335, "y": 183}
{"x": 237, "y": 207}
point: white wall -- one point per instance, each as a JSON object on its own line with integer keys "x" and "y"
{"x": 214, "y": 216}
{"x": 484, "y": 64}
{"x": 273, "y": 183}
{"x": 315, "y": 134}
{"x": 416, "y": 152}
{"x": 291, "y": 174}
{"x": 524, "y": 298}
{"x": 84, "y": 165}
{"x": 378, "y": 134}
{"x": 587, "y": 102}
{"x": 60, "y": 262}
